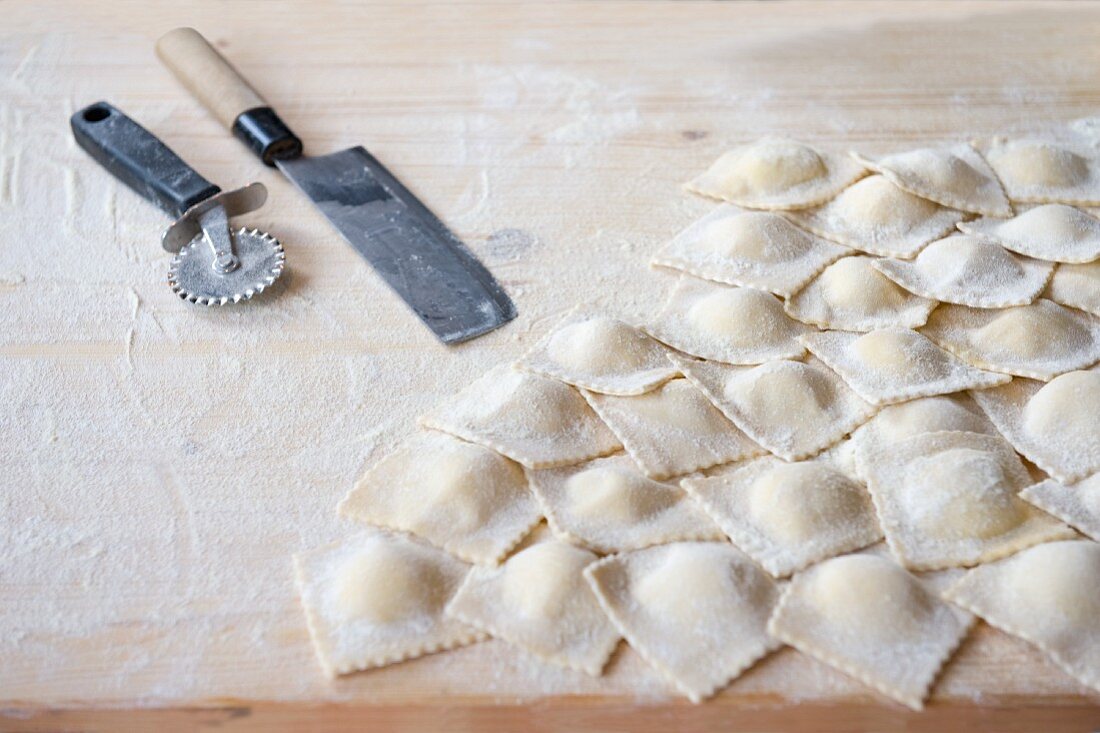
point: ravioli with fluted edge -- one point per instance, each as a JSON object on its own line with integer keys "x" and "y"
{"x": 1048, "y": 595}
{"x": 1077, "y": 286}
{"x": 534, "y": 420}
{"x": 1040, "y": 340}
{"x": 896, "y": 364}
{"x": 956, "y": 176}
{"x": 851, "y": 295}
{"x": 755, "y": 249}
{"x": 538, "y": 600}
{"x": 1077, "y": 504}
{"x": 776, "y": 173}
{"x": 608, "y": 505}
{"x": 673, "y": 430}
{"x": 696, "y": 611}
{"x": 377, "y": 598}
{"x": 949, "y": 499}
{"x": 923, "y": 415}
{"x": 462, "y": 497}
{"x": 788, "y": 515}
{"x": 793, "y": 409}
{"x": 1053, "y": 425}
{"x": 869, "y": 618}
{"x": 1042, "y": 171}
{"x": 601, "y": 354}
{"x": 726, "y": 323}
{"x": 969, "y": 271}
{"x": 875, "y": 216}
{"x": 1052, "y": 232}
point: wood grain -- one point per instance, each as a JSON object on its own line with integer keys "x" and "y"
{"x": 162, "y": 464}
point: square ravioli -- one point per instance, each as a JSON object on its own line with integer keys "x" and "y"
{"x": 793, "y": 409}
{"x": 1041, "y": 340}
{"x": 1048, "y": 595}
{"x": 729, "y": 324}
{"x": 1042, "y": 171}
{"x": 851, "y": 295}
{"x": 609, "y": 506}
{"x": 787, "y": 516}
{"x": 1076, "y": 504}
{"x": 696, "y": 611}
{"x": 923, "y": 415}
{"x": 538, "y": 600}
{"x": 462, "y": 497}
{"x": 754, "y": 249}
{"x": 969, "y": 271}
{"x": 896, "y": 364}
{"x": 673, "y": 430}
{"x": 1077, "y": 286}
{"x": 875, "y": 216}
{"x": 377, "y": 598}
{"x": 776, "y": 173}
{"x": 869, "y": 618}
{"x": 600, "y": 354}
{"x": 956, "y": 176}
{"x": 949, "y": 499}
{"x": 1052, "y": 232}
{"x": 1053, "y": 425}
{"x": 534, "y": 420}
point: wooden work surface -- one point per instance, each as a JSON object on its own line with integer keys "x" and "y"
{"x": 160, "y": 464}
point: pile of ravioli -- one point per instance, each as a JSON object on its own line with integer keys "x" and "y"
{"x": 856, "y": 349}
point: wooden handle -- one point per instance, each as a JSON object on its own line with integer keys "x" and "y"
{"x": 207, "y": 75}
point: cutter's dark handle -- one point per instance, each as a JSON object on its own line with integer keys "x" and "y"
{"x": 139, "y": 159}
{"x": 227, "y": 94}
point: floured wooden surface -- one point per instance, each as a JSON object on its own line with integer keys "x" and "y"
{"x": 162, "y": 463}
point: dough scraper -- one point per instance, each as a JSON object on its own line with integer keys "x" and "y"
{"x": 213, "y": 265}
{"x": 414, "y": 252}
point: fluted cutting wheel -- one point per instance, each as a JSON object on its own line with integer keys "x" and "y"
{"x": 192, "y": 277}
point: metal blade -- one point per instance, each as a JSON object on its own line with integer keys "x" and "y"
{"x": 424, "y": 263}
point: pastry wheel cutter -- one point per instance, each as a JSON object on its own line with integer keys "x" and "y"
{"x": 213, "y": 264}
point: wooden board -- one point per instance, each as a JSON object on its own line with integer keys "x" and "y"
{"x": 161, "y": 464}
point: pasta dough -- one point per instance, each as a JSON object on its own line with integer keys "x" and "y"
{"x": 1048, "y": 595}
{"x": 728, "y": 324}
{"x": 869, "y": 618}
{"x": 970, "y": 271}
{"x": 750, "y": 248}
{"x": 695, "y": 611}
{"x": 776, "y": 173}
{"x": 377, "y": 598}
{"x": 875, "y": 216}
{"x": 957, "y": 177}
{"x": 673, "y": 430}
{"x": 539, "y": 601}
{"x": 851, "y": 295}
{"x": 600, "y": 354}
{"x": 895, "y": 364}
{"x": 793, "y": 409}
{"x": 788, "y": 515}
{"x": 1077, "y": 504}
{"x": 533, "y": 420}
{"x": 1041, "y": 340}
{"x": 948, "y": 499}
{"x": 923, "y": 415}
{"x": 1053, "y": 425}
{"x": 462, "y": 497}
{"x": 1040, "y": 171}
{"x": 609, "y": 506}
{"x": 1053, "y": 232}
{"x": 1077, "y": 286}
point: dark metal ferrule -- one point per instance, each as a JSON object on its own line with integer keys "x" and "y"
{"x": 266, "y": 135}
